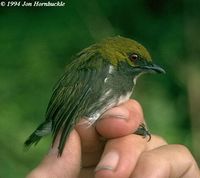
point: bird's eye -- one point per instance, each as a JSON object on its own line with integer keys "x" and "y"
{"x": 133, "y": 57}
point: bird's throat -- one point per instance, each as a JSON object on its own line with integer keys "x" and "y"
{"x": 136, "y": 77}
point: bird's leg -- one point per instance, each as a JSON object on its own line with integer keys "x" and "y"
{"x": 143, "y": 131}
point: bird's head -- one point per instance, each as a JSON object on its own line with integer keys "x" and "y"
{"x": 119, "y": 50}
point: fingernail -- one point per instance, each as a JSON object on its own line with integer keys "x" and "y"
{"x": 117, "y": 112}
{"x": 108, "y": 162}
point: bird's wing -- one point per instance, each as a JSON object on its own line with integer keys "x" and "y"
{"x": 71, "y": 96}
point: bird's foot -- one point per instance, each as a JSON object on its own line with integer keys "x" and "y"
{"x": 142, "y": 130}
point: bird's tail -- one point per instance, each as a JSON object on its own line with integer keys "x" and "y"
{"x": 42, "y": 130}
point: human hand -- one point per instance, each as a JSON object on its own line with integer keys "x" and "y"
{"x": 117, "y": 152}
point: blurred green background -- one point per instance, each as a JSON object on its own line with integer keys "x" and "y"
{"x": 37, "y": 43}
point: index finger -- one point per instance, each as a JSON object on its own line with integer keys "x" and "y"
{"x": 116, "y": 122}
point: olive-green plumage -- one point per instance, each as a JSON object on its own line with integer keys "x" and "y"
{"x": 100, "y": 77}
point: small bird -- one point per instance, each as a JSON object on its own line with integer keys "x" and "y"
{"x": 100, "y": 77}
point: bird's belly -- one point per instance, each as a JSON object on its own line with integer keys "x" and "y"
{"x": 124, "y": 98}
{"x": 105, "y": 103}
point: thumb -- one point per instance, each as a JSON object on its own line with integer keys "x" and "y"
{"x": 68, "y": 165}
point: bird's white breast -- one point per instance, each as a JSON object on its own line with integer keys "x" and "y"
{"x": 111, "y": 103}
{"x": 124, "y": 98}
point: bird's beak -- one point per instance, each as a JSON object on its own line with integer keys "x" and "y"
{"x": 153, "y": 68}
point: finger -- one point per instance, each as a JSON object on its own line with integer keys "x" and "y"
{"x": 121, "y": 120}
{"x": 166, "y": 161}
{"x": 155, "y": 142}
{"x": 91, "y": 144}
{"x": 116, "y": 160}
{"x": 68, "y": 165}
{"x": 118, "y": 121}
